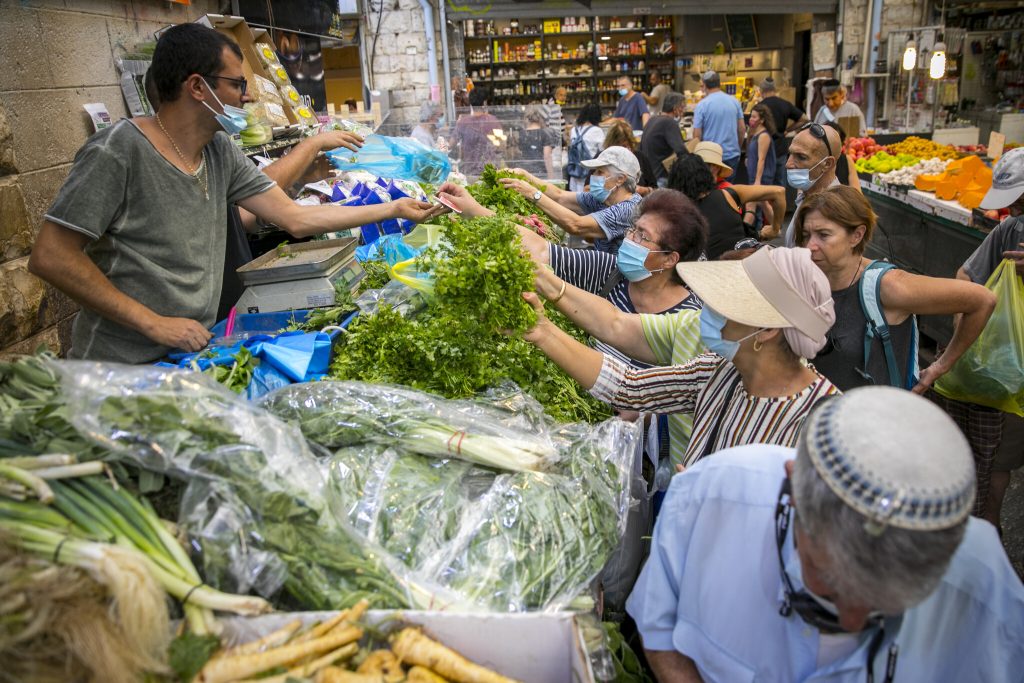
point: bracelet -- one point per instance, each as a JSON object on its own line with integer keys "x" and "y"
{"x": 561, "y": 293}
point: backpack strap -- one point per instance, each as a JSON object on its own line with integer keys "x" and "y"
{"x": 611, "y": 283}
{"x": 870, "y": 290}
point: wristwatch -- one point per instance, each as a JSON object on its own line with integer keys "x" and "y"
{"x": 537, "y": 195}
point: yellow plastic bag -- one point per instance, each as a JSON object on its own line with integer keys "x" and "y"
{"x": 407, "y": 273}
{"x": 991, "y": 372}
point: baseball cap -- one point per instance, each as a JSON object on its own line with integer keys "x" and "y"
{"x": 894, "y": 457}
{"x": 771, "y": 288}
{"x": 1007, "y": 180}
{"x": 621, "y": 158}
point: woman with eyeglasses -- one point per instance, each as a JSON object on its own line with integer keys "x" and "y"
{"x": 722, "y": 207}
{"x": 836, "y": 226}
{"x": 761, "y": 317}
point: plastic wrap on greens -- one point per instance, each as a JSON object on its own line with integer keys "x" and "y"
{"x": 254, "y": 505}
{"x": 337, "y": 414}
{"x": 500, "y": 541}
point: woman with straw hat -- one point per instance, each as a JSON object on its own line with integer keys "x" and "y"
{"x": 761, "y": 316}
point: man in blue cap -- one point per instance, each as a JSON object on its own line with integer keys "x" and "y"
{"x": 851, "y": 558}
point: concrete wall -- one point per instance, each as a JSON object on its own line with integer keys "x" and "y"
{"x": 55, "y": 57}
{"x": 398, "y": 62}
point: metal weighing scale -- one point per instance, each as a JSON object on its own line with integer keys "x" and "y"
{"x": 299, "y": 276}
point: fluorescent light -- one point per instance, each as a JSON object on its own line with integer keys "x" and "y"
{"x": 937, "y": 66}
{"x": 606, "y": 37}
{"x": 602, "y": 58}
{"x": 649, "y": 33}
{"x": 910, "y": 55}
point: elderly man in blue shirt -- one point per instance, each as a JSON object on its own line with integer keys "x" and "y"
{"x": 855, "y": 562}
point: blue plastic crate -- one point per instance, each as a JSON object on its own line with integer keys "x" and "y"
{"x": 261, "y": 323}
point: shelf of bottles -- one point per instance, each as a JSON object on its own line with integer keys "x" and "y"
{"x": 520, "y": 62}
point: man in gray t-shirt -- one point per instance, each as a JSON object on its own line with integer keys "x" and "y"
{"x": 136, "y": 235}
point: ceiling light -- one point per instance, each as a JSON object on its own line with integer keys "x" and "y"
{"x": 937, "y": 65}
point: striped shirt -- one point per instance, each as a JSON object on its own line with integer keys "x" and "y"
{"x": 590, "y": 270}
{"x": 613, "y": 220}
{"x": 703, "y": 387}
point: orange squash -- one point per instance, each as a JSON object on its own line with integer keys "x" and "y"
{"x": 927, "y": 183}
{"x": 947, "y": 189}
{"x": 971, "y": 199}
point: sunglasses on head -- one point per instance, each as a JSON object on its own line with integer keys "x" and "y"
{"x": 818, "y": 131}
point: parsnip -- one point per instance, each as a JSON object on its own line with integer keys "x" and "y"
{"x": 412, "y": 647}
{"x": 384, "y": 663}
{"x": 311, "y": 668}
{"x": 418, "y": 674}
{"x": 225, "y": 669}
{"x": 334, "y": 674}
{"x": 267, "y": 642}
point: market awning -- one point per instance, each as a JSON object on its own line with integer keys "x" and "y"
{"x": 484, "y": 9}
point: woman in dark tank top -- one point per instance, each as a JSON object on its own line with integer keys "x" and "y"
{"x": 723, "y": 208}
{"x": 836, "y": 226}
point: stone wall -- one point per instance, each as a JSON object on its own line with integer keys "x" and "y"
{"x": 896, "y": 15}
{"x": 56, "y": 56}
{"x": 398, "y": 62}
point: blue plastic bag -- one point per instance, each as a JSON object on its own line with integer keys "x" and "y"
{"x": 265, "y": 378}
{"x": 299, "y": 356}
{"x": 388, "y": 248}
{"x": 394, "y": 158}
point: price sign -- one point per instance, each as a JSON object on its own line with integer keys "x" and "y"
{"x": 996, "y": 142}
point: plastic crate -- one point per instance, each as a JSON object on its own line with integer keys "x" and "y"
{"x": 261, "y": 323}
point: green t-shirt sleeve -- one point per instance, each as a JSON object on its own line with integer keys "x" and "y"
{"x": 659, "y": 331}
{"x": 674, "y": 337}
{"x": 244, "y": 180}
{"x": 93, "y": 196}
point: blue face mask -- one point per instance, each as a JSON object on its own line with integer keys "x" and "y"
{"x": 800, "y": 178}
{"x": 631, "y": 259}
{"x": 711, "y": 325}
{"x": 598, "y": 188}
{"x": 623, "y": 92}
{"x": 234, "y": 120}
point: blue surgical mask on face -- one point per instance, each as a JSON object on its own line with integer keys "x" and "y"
{"x": 623, "y": 92}
{"x": 800, "y": 178}
{"x": 233, "y": 120}
{"x": 711, "y": 325}
{"x": 631, "y": 259}
{"x": 598, "y": 189}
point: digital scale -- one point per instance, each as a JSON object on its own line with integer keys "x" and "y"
{"x": 299, "y": 276}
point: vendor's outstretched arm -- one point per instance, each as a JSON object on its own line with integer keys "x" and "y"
{"x": 597, "y": 317}
{"x": 275, "y": 207}
{"x": 57, "y": 257}
{"x": 579, "y": 361}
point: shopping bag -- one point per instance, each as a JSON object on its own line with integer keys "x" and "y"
{"x": 991, "y": 371}
{"x": 389, "y": 157}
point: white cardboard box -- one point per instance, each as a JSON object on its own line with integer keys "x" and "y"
{"x": 539, "y": 647}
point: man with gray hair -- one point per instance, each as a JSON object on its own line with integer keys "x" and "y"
{"x": 718, "y": 118}
{"x": 884, "y": 577}
{"x": 837, "y": 107}
{"x": 662, "y": 139}
{"x": 425, "y": 132}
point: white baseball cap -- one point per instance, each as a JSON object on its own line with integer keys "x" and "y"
{"x": 1007, "y": 180}
{"x": 621, "y": 158}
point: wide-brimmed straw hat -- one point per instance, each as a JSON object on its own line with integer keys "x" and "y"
{"x": 773, "y": 289}
{"x": 711, "y": 153}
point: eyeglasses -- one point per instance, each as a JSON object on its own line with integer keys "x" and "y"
{"x": 818, "y": 131}
{"x": 641, "y": 236}
{"x": 240, "y": 83}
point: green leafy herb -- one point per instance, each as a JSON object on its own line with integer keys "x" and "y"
{"x": 189, "y": 653}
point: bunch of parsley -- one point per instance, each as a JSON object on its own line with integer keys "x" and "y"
{"x": 458, "y": 346}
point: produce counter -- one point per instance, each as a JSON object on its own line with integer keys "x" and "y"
{"x": 922, "y": 235}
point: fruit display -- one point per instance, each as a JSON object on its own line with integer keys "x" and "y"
{"x": 859, "y": 148}
{"x": 907, "y": 176}
{"x": 972, "y": 149}
{"x": 966, "y": 180}
{"x": 922, "y": 149}
{"x": 884, "y": 162}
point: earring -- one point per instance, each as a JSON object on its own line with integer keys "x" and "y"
{"x": 758, "y": 345}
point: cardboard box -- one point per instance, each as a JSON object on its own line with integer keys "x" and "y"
{"x": 238, "y": 30}
{"x": 539, "y": 647}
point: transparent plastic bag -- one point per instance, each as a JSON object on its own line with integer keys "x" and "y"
{"x": 255, "y": 499}
{"x": 991, "y": 371}
{"x": 390, "y": 157}
{"x": 498, "y": 541}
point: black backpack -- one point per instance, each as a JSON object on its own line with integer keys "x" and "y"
{"x": 578, "y": 153}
